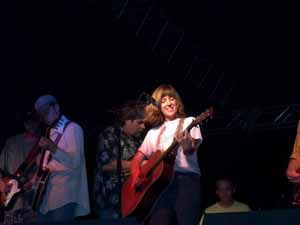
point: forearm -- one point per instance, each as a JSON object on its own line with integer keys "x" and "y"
{"x": 293, "y": 165}
{"x": 296, "y": 148}
{"x": 69, "y": 159}
{"x": 112, "y": 166}
{"x": 136, "y": 162}
{"x": 292, "y": 171}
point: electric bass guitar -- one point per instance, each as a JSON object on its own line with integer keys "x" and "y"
{"x": 156, "y": 175}
{"x": 43, "y": 173}
{"x": 15, "y": 182}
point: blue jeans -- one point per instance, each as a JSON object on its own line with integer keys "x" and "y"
{"x": 63, "y": 214}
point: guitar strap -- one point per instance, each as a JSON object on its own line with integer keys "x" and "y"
{"x": 60, "y": 127}
{"x": 119, "y": 166}
{"x": 29, "y": 161}
{"x": 178, "y": 132}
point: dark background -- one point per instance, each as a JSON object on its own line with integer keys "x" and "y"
{"x": 92, "y": 59}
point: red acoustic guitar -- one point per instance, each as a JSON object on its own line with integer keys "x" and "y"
{"x": 156, "y": 174}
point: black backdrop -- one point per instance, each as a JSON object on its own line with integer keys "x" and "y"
{"x": 74, "y": 51}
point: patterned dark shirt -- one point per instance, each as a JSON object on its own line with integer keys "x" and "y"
{"x": 106, "y": 188}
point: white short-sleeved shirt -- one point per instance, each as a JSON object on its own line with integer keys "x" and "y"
{"x": 160, "y": 138}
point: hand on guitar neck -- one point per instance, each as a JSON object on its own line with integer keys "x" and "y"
{"x": 47, "y": 144}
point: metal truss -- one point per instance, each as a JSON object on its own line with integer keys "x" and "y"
{"x": 254, "y": 119}
{"x": 174, "y": 45}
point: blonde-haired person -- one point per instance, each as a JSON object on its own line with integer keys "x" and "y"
{"x": 165, "y": 119}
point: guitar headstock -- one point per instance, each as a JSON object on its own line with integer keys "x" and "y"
{"x": 204, "y": 116}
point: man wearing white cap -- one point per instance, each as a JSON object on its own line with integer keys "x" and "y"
{"x": 66, "y": 194}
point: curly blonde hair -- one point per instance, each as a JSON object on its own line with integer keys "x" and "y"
{"x": 153, "y": 114}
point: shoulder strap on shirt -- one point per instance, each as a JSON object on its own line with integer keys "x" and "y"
{"x": 178, "y": 132}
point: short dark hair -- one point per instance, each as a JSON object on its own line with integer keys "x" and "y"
{"x": 226, "y": 179}
{"x": 27, "y": 116}
{"x": 130, "y": 110}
